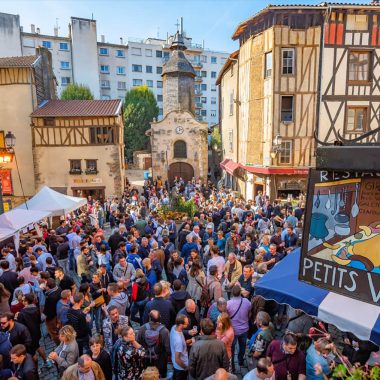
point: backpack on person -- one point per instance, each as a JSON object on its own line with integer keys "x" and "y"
{"x": 152, "y": 340}
{"x": 205, "y": 299}
{"x": 164, "y": 231}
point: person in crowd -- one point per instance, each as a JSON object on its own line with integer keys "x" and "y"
{"x": 97, "y": 295}
{"x": 179, "y": 296}
{"x": 272, "y": 257}
{"x": 85, "y": 368}
{"x": 64, "y": 281}
{"x": 140, "y": 296}
{"x": 208, "y": 353}
{"x": 23, "y": 365}
{"x": 225, "y": 333}
{"x": 118, "y": 298}
{"x": 318, "y": 362}
{"x": 264, "y": 370}
{"x": 238, "y": 308}
{"x": 53, "y": 295}
{"x": 216, "y": 308}
{"x": 124, "y": 271}
{"x": 178, "y": 347}
{"x": 112, "y": 324}
{"x": 196, "y": 281}
{"x": 232, "y": 273}
{"x": 129, "y": 356}
{"x": 100, "y": 355}
{"x": 67, "y": 352}
{"x": 154, "y": 337}
{"x": 191, "y": 311}
{"x": 263, "y": 336}
{"x": 217, "y": 261}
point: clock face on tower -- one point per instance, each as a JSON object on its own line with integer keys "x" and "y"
{"x": 179, "y": 130}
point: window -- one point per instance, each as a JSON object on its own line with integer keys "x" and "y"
{"x": 104, "y": 69}
{"x": 28, "y": 42}
{"x": 49, "y": 121}
{"x": 232, "y": 103}
{"x": 268, "y": 65}
{"x": 46, "y": 44}
{"x": 204, "y": 87}
{"x": 287, "y": 108}
{"x": 213, "y": 74}
{"x": 148, "y": 52}
{"x": 159, "y": 84}
{"x": 203, "y": 112}
{"x": 149, "y": 83}
{"x": 65, "y": 65}
{"x": 137, "y": 68}
{"x": 213, "y": 113}
{"x": 136, "y": 51}
{"x": 75, "y": 166}
{"x": 180, "y": 149}
{"x": 158, "y": 70}
{"x": 103, "y": 51}
{"x": 149, "y": 69}
{"x": 356, "y": 119}
{"x": 230, "y": 140}
{"x": 166, "y": 54}
{"x": 120, "y": 70}
{"x": 101, "y": 135}
{"x": 359, "y": 66}
{"x": 63, "y": 46}
{"x": 285, "y": 156}
{"x": 105, "y": 83}
{"x": 357, "y": 22}
{"x": 160, "y": 112}
{"x": 65, "y": 81}
{"x": 213, "y": 100}
{"x": 203, "y": 100}
{"x": 158, "y": 53}
{"x": 204, "y": 58}
{"x": 137, "y": 82}
{"x": 159, "y": 98}
{"x": 197, "y": 89}
{"x": 121, "y": 86}
{"x": 204, "y": 74}
{"x": 213, "y": 87}
{"x": 120, "y": 53}
{"x": 214, "y": 60}
{"x": 91, "y": 167}
{"x": 288, "y": 61}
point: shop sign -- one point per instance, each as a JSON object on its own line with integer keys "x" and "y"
{"x": 341, "y": 239}
{"x": 6, "y": 181}
{"x": 89, "y": 181}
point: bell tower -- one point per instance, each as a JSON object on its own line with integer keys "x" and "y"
{"x": 178, "y": 76}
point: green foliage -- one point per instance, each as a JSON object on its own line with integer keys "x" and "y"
{"x": 140, "y": 108}
{"x": 356, "y": 373}
{"x": 189, "y": 207}
{"x": 216, "y": 139}
{"x": 76, "y": 92}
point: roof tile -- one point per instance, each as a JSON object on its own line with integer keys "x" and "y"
{"x": 24, "y": 61}
{"x": 79, "y": 108}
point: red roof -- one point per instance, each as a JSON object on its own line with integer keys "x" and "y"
{"x": 71, "y": 108}
{"x": 277, "y": 170}
{"x": 24, "y": 61}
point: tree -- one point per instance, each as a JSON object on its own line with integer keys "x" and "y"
{"x": 77, "y": 92}
{"x": 140, "y": 109}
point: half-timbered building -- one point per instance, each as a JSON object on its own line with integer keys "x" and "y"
{"x": 350, "y": 81}
{"x": 276, "y": 99}
{"x": 78, "y": 147}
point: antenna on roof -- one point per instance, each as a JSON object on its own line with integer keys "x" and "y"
{"x": 177, "y": 25}
{"x": 92, "y": 16}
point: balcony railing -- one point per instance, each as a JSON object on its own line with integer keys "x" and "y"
{"x": 198, "y": 78}
{"x": 75, "y": 171}
{"x": 198, "y": 92}
{"x": 196, "y": 64}
{"x": 91, "y": 171}
{"x": 198, "y": 105}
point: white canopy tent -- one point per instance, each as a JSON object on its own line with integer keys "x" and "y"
{"x": 17, "y": 219}
{"x": 6, "y": 233}
{"x": 55, "y": 203}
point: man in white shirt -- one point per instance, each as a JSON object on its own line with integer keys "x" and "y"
{"x": 216, "y": 260}
{"x": 178, "y": 348}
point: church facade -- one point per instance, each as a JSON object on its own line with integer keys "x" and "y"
{"x": 179, "y": 141}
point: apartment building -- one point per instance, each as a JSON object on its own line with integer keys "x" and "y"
{"x": 110, "y": 69}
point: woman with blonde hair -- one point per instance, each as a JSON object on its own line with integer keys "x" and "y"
{"x": 67, "y": 353}
{"x": 225, "y": 332}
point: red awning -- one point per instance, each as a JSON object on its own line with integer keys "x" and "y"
{"x": 231, "y": 166}
{"x": 262, "y": 170}
{"x": 223, "y": 163}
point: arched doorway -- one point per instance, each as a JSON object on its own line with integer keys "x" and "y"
{"x": 180, "y": 169}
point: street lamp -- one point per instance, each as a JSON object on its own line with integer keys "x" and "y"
{"x": 276, "y": 146}
{"x": 10, "y": 141}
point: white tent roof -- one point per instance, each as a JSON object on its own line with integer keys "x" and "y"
{"x": 18, "y": 219}
{"x": 55, "y": 203}
{"x": 5, "y": 233}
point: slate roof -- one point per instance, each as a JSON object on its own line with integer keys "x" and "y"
{"x": 78, "y": 108}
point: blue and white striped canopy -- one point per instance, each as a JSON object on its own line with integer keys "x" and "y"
{"x": 282, "y": 285}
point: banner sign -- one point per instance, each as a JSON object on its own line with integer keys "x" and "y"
{"x": 341, "y": 238}
{"x": 6, "y": 181}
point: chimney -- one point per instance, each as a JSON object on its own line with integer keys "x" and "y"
{"x": 32, "y": 28}
{"x": 55, "y": 31}
{"x": 121, "y": 40}
{"x": 21, "y": 29}
{"x": 102, "y": 38}
{"x": 38, "y": 30}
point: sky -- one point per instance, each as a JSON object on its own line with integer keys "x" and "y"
{"x": 211, "y": 21}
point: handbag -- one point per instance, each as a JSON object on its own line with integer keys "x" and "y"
{"x": 99, "y": 301}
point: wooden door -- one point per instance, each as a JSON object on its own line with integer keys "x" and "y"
{"x": 180, "y": 169}
{"x": 147, "y": 163}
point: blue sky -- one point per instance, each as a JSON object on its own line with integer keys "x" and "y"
{"x": 210, "y": 20}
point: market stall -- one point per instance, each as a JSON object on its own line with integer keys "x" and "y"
{"x": 282, "y": 285}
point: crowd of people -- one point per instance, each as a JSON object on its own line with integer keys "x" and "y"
{"x": 155, "y": 296}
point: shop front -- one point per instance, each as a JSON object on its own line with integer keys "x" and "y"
{"x": 97, "y": 192}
